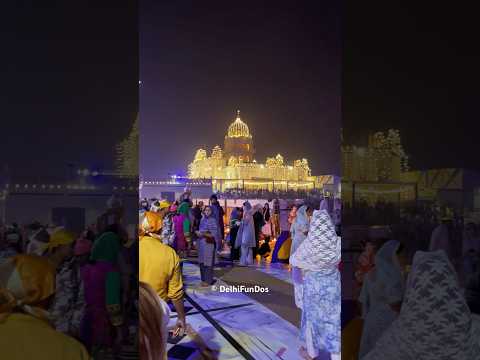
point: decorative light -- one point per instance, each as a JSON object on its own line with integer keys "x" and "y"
{"x": 238, "y": 128}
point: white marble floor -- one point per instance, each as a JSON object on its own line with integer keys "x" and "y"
{"x": 260, "y": 332}
{"x": 277, "y": 270}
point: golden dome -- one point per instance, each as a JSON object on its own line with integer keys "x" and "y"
{"x": 238, "y": 128}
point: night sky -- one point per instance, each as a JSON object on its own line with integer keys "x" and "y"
{"x": 69, "y": 84}
{"x": 70, "y": 72}
{"x": 415, "y": 68}
{"x": 279, "y": 63}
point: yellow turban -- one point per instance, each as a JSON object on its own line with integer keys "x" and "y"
{"x": 151, "y": 223}
{"x": 164, "y": 204}
{"x": 159, "y": 205}
{"x": 58, "y": 238}
{"x": 27, "y": 280}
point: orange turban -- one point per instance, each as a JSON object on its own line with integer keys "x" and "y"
{"x": 151, "y": 223}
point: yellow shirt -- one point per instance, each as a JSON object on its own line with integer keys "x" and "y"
{"x": 159, "y": 267}
{"x": 24, "y": 337}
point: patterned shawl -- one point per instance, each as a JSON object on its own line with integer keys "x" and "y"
{"x": 435, "y": 322}
{"x": 321, "y": 250}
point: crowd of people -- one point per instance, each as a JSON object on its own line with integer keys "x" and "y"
{"x": 419, "y": 289}
{"x": 67, "y": 295}
{"x": 270, "y": 194}
{"x": 306, "y": 236}
{"x": 168, "y": 234}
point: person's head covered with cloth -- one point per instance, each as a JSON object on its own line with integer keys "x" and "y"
{"x": 435, "y": 321}
{"x": 321, "y": 250}
{"x": 150, "y": 224}
{"x": 60, "y": 246}
{"x": 27, "y": 284}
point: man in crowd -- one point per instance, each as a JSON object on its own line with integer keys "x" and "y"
{"x": 218, "y": 214}
{"x": 160, "y": 267}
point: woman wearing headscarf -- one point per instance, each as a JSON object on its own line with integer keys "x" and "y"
{"x": 182, "y": 224}
{"x": 27, "y": 284}
{"x": 299, "y": 233}
{"x": 318, "y": 256}
{"x": 103, "y": 292}
{"x": 207, "y": 235}
{"x": 381, "y": 295}
{"x": 442, "y": 238}
{"x": 434, "y": 322}
{"x": 68, "y": 307}
{"x": 235, "y": 221}
{"x": 246, "y": 236}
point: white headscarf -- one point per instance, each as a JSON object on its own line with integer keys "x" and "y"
{"x": 324, "y": 205}
{"x": 387, "y": 271}
{"x": 299, "y": 226}
{"x": 435, "y": 322}
{"x": 302, "y": 217}
{"x": 321, "y": 250}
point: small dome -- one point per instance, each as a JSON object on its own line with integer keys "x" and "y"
{"x": 238, "y": 128}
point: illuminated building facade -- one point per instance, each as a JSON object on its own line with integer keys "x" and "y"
{"x": 376, "y": 171}
{"x": 382, "y": 160}
{"x": 235, "y": 167}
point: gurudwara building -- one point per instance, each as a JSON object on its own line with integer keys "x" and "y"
{"x": 235, "y": 167}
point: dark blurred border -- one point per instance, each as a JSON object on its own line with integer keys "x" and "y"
{"x": 69, "y": 149}
{"x": 409, "y": 139}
